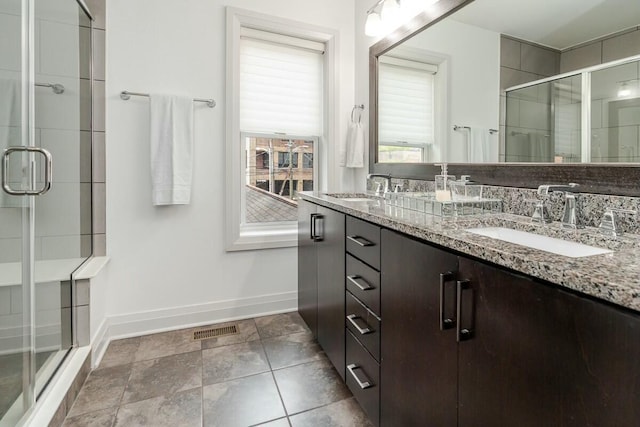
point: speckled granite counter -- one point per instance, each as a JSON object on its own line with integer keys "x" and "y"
{"x": 612, "y": 277}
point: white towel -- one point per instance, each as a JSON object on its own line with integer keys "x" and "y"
{"x": 171, "y": 135}
{"x": 352, "y": 152}
{"x": 479, "y": 150}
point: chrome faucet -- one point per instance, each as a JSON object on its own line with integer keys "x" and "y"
{"x": 387, "y": 183}
{"x": 571, "y": 217}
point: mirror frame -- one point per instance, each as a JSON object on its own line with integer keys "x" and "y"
{"x": 600, "y": 178}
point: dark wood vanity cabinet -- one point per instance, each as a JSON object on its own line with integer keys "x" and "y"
{"x": 454, "y": 341}
{"x": 307, "y": 266}
{"x": 321, "y": 275}
{"x": 419, "y": 360}
{"x": 537, "y": 355}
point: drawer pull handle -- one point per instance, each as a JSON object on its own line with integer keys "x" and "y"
{"x": 446, "y": 322}
{"x": 360, "y": 241}
{"x": 463, "y": 334}
{"x": 355, "y": 279}
{"x": 363, "y": 331}
{"x": 362, "y": 384}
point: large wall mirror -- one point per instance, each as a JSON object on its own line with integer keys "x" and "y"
{"x": 515, "y": 93}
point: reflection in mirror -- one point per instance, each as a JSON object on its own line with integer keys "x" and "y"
{"x": 443, "y": 93}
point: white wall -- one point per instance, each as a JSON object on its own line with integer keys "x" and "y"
{"x": 170, "y": 261}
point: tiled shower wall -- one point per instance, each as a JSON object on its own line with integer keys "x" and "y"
{"x": 530, "y": 118}
{"x": 98, "y": 8}
{"x": 606, "y": 49}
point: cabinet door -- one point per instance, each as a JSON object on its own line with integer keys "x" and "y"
{"x": 307, "y": 267}
{"x": 418, "y": 383}
{"x": 541, "y": 356}
{"x": 331, "y": 286}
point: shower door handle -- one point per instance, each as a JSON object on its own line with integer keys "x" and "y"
{"x": 47, "y": 171}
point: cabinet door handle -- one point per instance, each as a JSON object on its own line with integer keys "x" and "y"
{"x": 446, "y": 322}
{"x": 315, "y": 236}
{"x": 360, "y": 241}
{"x": 463, "y": 334}
{"x": 363, "y": 331}
{"x": 363, "y": 384}
{"x": 355, "y": 279}
{"x": 312, "y": 220}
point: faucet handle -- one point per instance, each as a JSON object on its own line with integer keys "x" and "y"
{"x": 540, "y": 212}
{"x": 609, "y": 224}
{"x": 397, "y": 188}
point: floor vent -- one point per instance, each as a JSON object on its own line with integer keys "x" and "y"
{"x": 204, "y": 334}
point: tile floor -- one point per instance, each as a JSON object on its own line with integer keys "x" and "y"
{"x": 271, "y": 373}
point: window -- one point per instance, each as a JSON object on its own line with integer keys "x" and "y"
{"x": 406, "y": 95}
{"x": 276, "y": 124}
{"x": 276, "y": 203}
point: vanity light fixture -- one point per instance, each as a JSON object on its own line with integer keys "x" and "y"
{"x": 625, "y": 88}
{"x": 387, "y": 15}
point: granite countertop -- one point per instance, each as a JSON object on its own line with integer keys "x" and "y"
{"x": 614, "y": 277}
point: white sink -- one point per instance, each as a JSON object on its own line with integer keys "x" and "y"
{"x": 357, "y": 197}
{"x": 543, "y": 243}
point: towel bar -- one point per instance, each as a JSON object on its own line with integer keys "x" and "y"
{"x": 126, "y": 95}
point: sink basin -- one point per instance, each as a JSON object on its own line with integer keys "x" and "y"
{"x": 543, "y": 243}
{"x": 353, "y": 197}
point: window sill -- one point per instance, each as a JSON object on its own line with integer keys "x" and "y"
{"x": 258, "y": 237}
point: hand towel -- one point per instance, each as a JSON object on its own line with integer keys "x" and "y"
{"x": 10, "y": 136}
{"x": 352, "y": 152}
{"x": 171, "y": 134}
{"x": 479, "y": 149}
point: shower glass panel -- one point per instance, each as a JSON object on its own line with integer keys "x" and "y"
{"x": 615, "y": 114}
{"x": 62, "y": 238}
{"x": 16, "y": 388}
{"x": 543, "y": 122}
{"x": 45, "y": 110}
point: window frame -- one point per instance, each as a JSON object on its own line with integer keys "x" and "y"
{"x": 238, "y": 235}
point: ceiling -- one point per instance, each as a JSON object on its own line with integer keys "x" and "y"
{"x": 559, "y": 24}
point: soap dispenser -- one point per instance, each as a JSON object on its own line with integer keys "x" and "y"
{"x": 443, "y": 192}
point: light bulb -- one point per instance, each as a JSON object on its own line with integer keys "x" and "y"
{"x": 624, "y": 90}
{"x": 373, "y": 26}
{"x": 390, "y": 13}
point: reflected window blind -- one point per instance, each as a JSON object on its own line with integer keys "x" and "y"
{"x": 281, "y": 84}
{"x": 405, "y": 102}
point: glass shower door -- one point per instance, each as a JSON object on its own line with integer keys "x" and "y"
{"x": 45, "y": 210}
{"x": 16, "y": 216}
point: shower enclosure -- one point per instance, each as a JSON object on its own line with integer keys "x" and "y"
{"x": 45, "y": 200}
{"x": 592, "y": 115}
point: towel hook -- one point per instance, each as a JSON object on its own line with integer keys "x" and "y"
{"x": 358, "y": 108}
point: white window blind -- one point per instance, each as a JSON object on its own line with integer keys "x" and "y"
{"x": 405, "y": 102}
{"x": 281, "y": 84}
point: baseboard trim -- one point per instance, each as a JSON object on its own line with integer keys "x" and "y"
{"x": 99, "y": 343}
{"x": 154, "y": 321}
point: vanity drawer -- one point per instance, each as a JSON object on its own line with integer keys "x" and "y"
{"x": 364, "y": 325}
{"x": 363, "y": 241}
{"x": 363, "y": 378}
{"x": 364, "y": 283}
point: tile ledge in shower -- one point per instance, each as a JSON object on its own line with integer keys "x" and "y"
{"x": 91, "y": 268}
{"x": 54, "y": 270}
